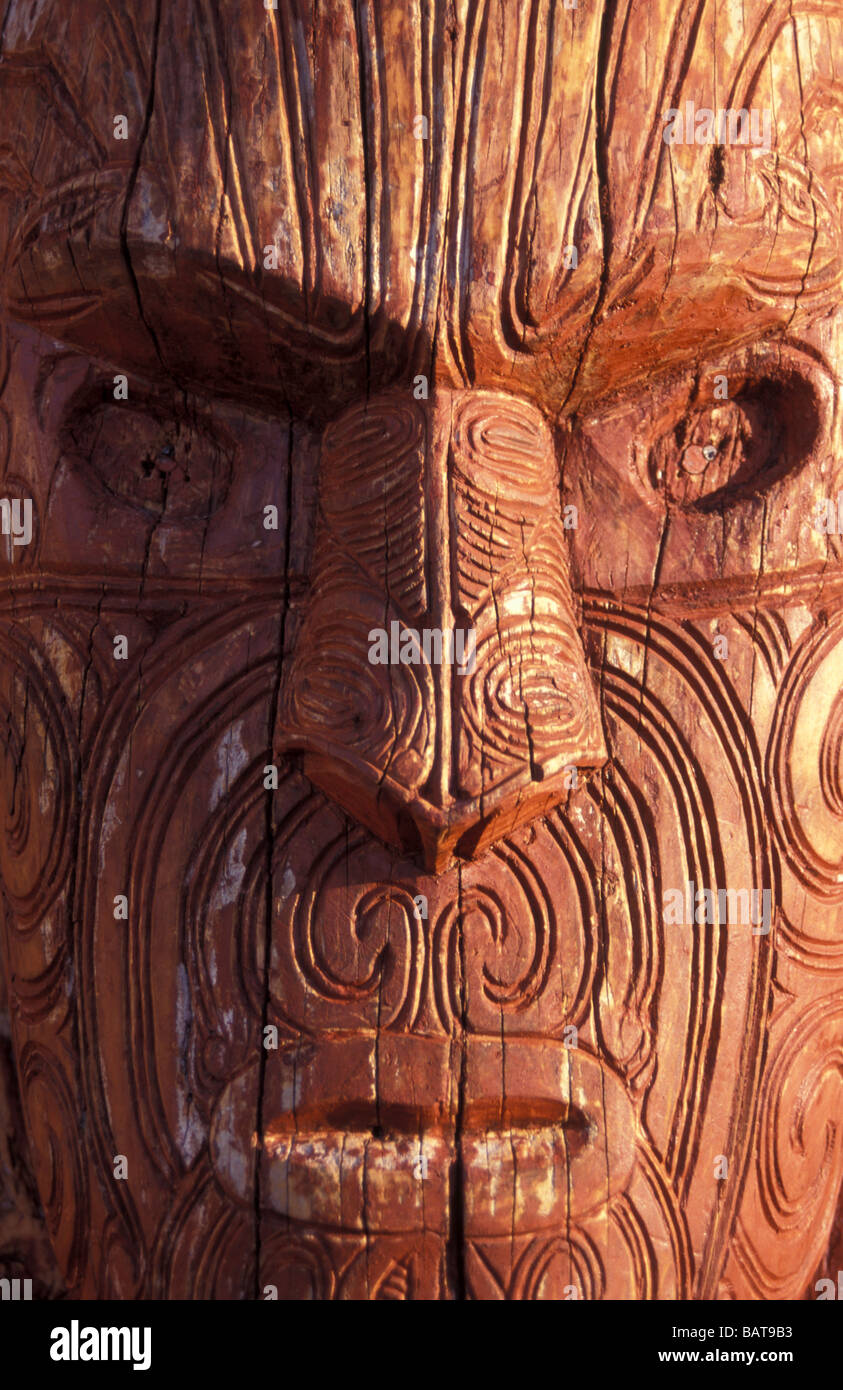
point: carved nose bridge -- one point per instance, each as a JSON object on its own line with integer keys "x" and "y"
{"x": 438, "y": 688}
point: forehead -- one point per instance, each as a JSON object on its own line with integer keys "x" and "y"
{"x": 309, "y": 203}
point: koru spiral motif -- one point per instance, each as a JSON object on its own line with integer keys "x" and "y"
{"x": 432, "y": 570}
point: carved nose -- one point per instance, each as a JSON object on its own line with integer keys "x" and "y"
{"x": 438, "y": 688}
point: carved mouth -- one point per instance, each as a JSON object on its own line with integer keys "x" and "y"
{"x": 536, "y": 1135}
{"x": 396, "y": 1123}
{"x": 513, "y": 1178}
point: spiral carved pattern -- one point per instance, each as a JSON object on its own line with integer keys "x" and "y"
{"x": 253, "y": 910}
{"x": 52, "y": 1124}
{"x": 807, "y": 735}
{"x": 378, "y": 713}
{"x": 371, "y": 490}
{"x": 520, "y": 699}
{"x": 38, "y": 743}
{"x": 831, "y": 759}
{"x": 504, "y": 481}
{"x": 465, "y": 485}
{"x": 532, "y": 940}
{"x": 799, "y": 1167}
{"x": 360, "y": 955}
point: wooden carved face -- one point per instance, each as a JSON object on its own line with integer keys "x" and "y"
{"x": 422, "y": 731}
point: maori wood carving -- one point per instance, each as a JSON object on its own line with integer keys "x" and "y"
{"x": 389, "y": 969}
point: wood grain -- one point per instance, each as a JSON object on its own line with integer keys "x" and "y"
{"x": 333, "y": 262}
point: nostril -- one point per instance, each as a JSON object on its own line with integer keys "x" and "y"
{"x": 409, "y": 834}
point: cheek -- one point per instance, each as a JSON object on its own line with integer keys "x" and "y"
{"x": 805, "y": 768}
{"x": 38, "y": 774}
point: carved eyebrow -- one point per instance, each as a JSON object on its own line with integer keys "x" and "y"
{"x": 91, "y": 386}
{"x": 25, "y": 70}
{"x": 237, "y": 358}
{"x": 778, "y": 358}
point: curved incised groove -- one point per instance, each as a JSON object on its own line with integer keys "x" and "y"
{"x": 421, "y": 651}
{"x": 439, "y": 690}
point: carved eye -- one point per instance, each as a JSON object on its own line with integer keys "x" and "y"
{"x": 719, "y": 451}
{"x": 176, "y": 469}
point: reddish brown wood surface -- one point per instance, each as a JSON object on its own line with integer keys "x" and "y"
{"x": 407, "y": 313}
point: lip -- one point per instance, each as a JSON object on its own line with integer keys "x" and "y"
{"x": 536, "y": 1134}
